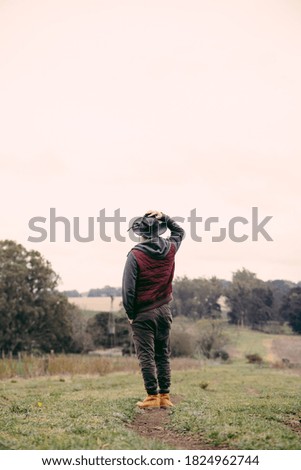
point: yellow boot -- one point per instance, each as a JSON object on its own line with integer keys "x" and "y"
{"x": 165, "y": 401}
{"x": 151, "y": 401}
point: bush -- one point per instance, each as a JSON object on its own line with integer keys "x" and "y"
{"x": 182, "y": 342}
{"x": 82, "y": 340}
{"x": 221, "y": 354}
{"x": 108, "y": 331}
{"x": 204, "y": 385}
{"x": 211, "y": 338}
{"x": 254, "y": 358}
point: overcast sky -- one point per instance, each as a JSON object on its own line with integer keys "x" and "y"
{"x": 172, "y": 105}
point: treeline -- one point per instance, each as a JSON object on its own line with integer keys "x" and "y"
{"x": 36, "y": 318}
{"x": 106, "y": 291}
{"x": 247, "y": 300}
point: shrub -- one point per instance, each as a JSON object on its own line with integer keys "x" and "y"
{"x": 182, "y": 342}
{"x": 108, "y": 331}
{"x": 254, "y": 358}
{"x": 211, "y": 338}
{"x": 221, "y": 354}
{"x": 204, "y": 385}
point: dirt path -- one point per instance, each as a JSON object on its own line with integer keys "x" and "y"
{"x": 271, "y": 355}
{"x": 154, "y": 424}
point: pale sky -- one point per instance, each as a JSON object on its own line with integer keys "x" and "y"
{"x": 171, "y": 105}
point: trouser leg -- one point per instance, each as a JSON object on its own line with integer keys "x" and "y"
{"x": 162, "y": 349}
{"x": 162, "y": 359}
{"x": 144, "y": 340}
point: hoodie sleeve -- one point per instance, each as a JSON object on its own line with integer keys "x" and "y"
{"x": 177, "y": 233}
{"x": 129, "y": 285}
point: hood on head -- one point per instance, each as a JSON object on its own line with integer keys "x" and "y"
{"x": 157, "y": 247}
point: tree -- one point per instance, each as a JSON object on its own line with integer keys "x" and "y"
{"x": 197, "y": 298}
{"x": 54, "y": 326}
{"x": 105, "y": 291}
{"x": 33, "y": 315}
{"x": 185, "y": 300}
{"x": 250, "y": 300}
{"x": 291, "y": 309}
{"x": 81, "y": 340}
{"x": 71, "y": 293}
{"x": 261, "y": 303}
{"x": 280, "y": 289}
{"x": 98, "y": 329}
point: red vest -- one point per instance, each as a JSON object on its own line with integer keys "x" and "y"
{"x": 154, "y": 281}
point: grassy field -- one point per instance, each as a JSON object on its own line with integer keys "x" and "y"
{"x": 227, "y": 405}
{"x": 96, "y": 304}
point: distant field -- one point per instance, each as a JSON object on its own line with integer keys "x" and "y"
{"x": 286, "y": 348}
{"x": 96, "y": 304}
{"x": 272, "y": 348}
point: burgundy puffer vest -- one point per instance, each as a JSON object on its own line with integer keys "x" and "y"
{"x": 154, "y": 283}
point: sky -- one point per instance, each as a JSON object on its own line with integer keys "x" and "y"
{"x": 168, "y": 105}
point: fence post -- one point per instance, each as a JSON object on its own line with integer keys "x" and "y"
{"x": 46, "y": 364}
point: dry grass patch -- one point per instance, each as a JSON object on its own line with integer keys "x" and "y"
{"x": 27, "y": 366}
{"x": 288, "y": 347}
{"x": 63, "y": 364}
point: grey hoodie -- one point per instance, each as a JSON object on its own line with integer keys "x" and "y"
{"x": 156, "y": 248}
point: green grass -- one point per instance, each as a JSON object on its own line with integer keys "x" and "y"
{"x": 246, "y": 341}
{"x": 243, "y": 407}
{"x": 78, "y": 413}
{"x": 230, "y": 405}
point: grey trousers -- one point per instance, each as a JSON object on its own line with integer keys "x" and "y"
{"x": 151, "y": 334}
